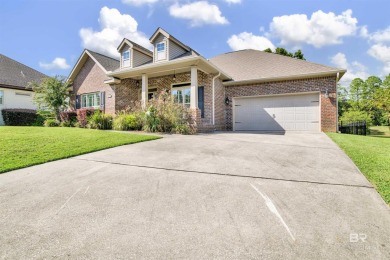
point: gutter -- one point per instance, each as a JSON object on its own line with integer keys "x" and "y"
{"x": 290, "y": 77}
{"x": 213, "y": 89}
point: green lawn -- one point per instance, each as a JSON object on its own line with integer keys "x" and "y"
{"x": 371, "y": 155}
{"x": 380, "y": 131}
{"x": 26, "y": 146}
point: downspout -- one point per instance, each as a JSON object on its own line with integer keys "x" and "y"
{"x": 213, "y": 87}
{"x": 337, "y": 103}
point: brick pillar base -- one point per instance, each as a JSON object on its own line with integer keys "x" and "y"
{"x": 196, "y": 119}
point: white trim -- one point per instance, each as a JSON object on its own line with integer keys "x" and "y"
{"x": 285, "y": 78}
{"x": 152, "y": 68}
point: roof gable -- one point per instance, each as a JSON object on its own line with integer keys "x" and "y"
{"x": 16, "y": 74}
{"x": 134, "y": 46}
{"x": 105, "y": 63}
{"x": 168, "y": 36}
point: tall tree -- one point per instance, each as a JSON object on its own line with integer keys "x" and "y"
{"x": 382, "y": 97}
{"x": 356, "y": 90}
{"x": 52, "y": 94}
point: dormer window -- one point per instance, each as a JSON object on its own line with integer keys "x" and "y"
{"x": 161, "y": 51}
{"x": 126, "y": 59}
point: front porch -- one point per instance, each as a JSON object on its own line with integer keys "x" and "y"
{"x": 191, "y": 85}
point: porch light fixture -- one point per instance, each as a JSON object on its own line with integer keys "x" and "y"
{"x": 227, "y": 101}
{"x": 137, "y": 83}
{"x": 326, "y": 93}
{"x": 174, "y": 75}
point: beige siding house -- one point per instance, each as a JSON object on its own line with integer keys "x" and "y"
{"x": 246, "y": 90}
{"x": 14, "y": 80}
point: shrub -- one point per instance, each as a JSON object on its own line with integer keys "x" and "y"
{"x": 51, "y": 122}
{"x": 125, "y": 122}
{"x": 19, "y": 117}
{"x": 68, "y": 118}
{"x": 355, "y": 115}
{"x": 99, "y": 120}
{"x": 152, "y": 121}
{"x": 82, "y": 116}
{"x": 163, "y": 115}
{"x": 40, "y": 121}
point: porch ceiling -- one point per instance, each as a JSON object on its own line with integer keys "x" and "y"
{"x": 168, "y": 68}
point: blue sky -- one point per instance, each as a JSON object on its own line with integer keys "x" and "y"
{"x": 49, "y": 35}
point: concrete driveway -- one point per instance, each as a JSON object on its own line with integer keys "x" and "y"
{"x": 225, "y": 196}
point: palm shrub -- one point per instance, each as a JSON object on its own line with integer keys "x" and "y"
{"x": 99, "y": 120}
{"x": 51, "y": 122}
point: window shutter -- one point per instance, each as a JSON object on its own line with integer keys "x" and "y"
{"x": 201, "y": 100}
{"x": 102, "y": 100}
{"x": 78, "y": 101}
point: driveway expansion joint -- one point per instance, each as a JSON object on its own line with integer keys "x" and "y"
{"x": 226, "y": 174}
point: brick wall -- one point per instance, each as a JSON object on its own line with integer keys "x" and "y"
{"x": 127, "y": 93}
{"x": 328, "y": 105}
{"x": 220, "y": 107}
{"x": 91, "y": 79}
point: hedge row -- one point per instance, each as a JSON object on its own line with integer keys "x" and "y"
{"x": 19, "y": 117}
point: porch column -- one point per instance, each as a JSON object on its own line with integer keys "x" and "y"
{"x": 194, "y": 87}
{"x": 144, "y": 96}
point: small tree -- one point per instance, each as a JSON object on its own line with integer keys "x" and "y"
{"x": 52, "y": 94}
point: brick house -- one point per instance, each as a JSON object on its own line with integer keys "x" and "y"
{"x": 246, "y": 90}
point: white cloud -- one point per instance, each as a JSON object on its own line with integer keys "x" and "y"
{"x": 381, "y": 52}
{"x": 320, "y": 30}
{"x": 247, "y": 40}
{"x": 378, "y": 36}
{"x": 57, "y": 63}
{"x": 199, "y": 13}
{"x": 139, "y": 2}
{"x": 114, "y": 27}
{"x": 233, "y": 1}
{"x": 355, "y": 69}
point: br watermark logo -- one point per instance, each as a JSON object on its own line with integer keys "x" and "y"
{"x": 357, "y": 237}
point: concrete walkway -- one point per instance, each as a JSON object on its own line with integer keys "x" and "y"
{"x": 225, "y": 195}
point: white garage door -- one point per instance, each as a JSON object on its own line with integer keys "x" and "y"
{"x": 277, "y": 113}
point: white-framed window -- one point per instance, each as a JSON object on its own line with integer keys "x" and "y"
{"x": 90, "y": 100}
{"x": 152, "y": 93}
{"x": 1, "y": 97}
{"x": 161, "y": 51}
{"x": 182, "y": 94}
{"x": 126, "y": 59}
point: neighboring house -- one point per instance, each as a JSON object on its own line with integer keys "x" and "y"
{"x": 14, "y": 80}
{"x": 245, "y": 90}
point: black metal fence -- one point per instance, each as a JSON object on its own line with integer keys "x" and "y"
{"x": 353, "y": 128}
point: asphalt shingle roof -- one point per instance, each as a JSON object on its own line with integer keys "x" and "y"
{"x": 109, "y": 64}
{"x": 16, "y": 74}
{"x": 253, "y": 64}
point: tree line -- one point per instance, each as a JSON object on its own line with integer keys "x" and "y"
{"x": 367, "y": 100}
